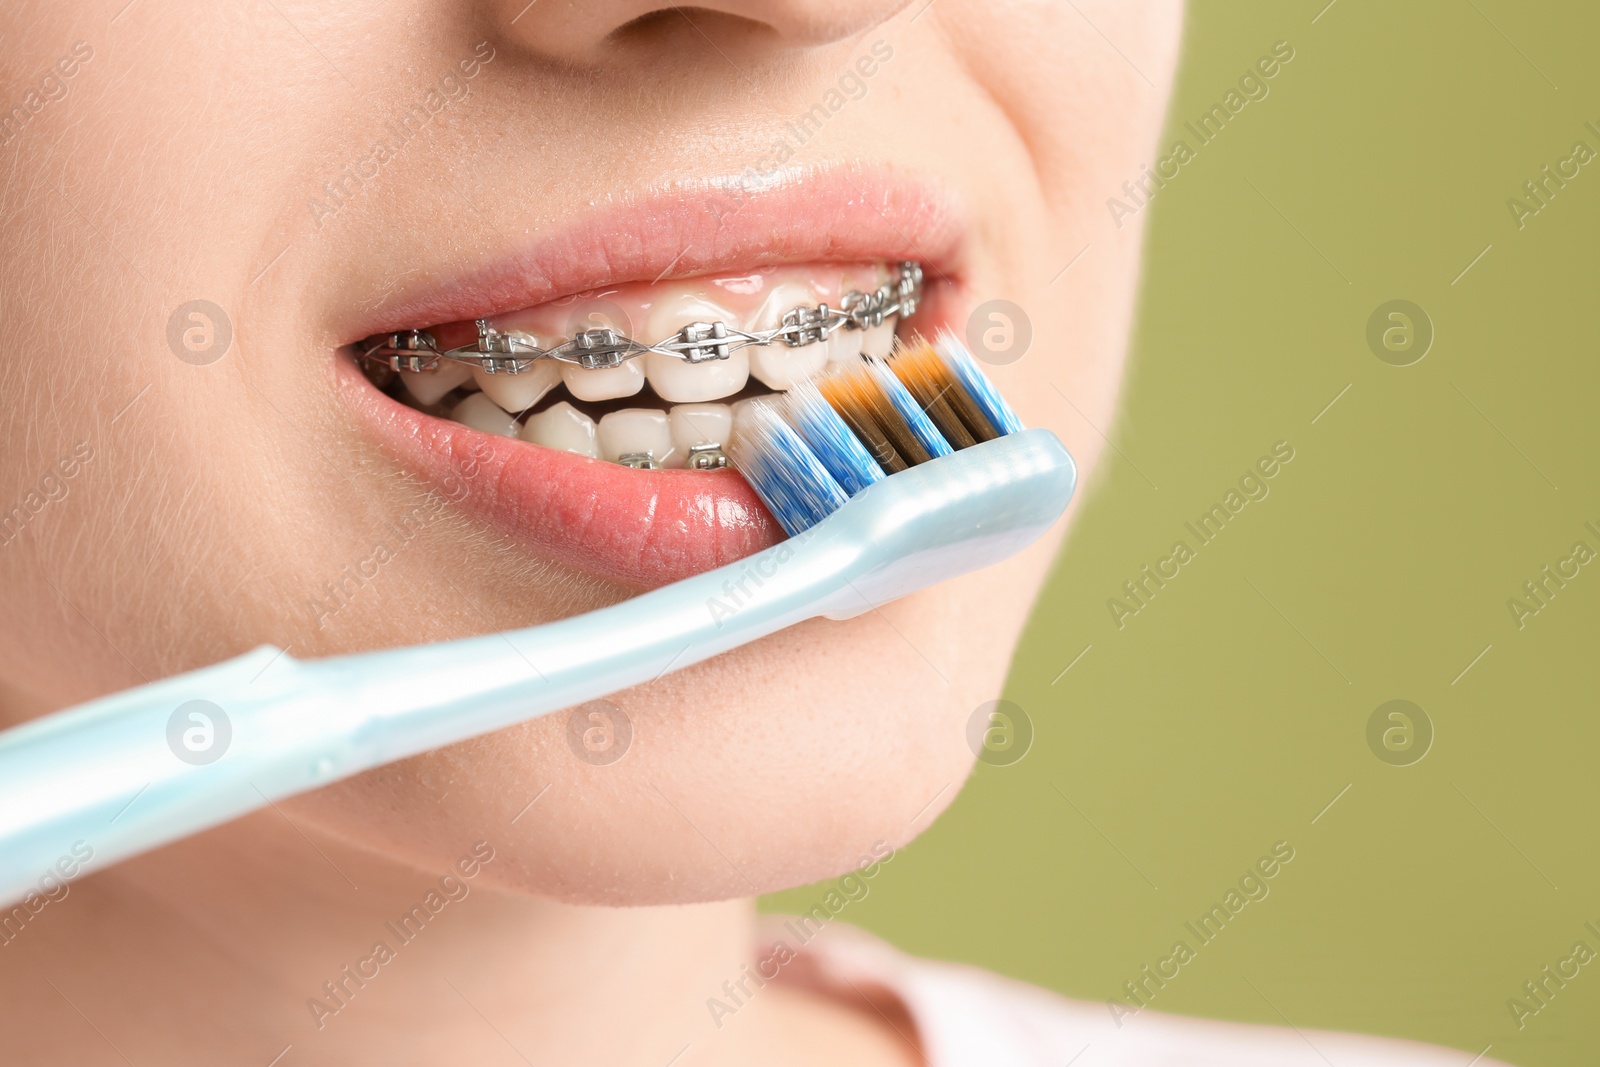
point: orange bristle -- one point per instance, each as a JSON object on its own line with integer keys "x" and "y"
{"x": 921, "y": 370}
{"x": 858, "y": 403}
{"x": 860, "y": 400}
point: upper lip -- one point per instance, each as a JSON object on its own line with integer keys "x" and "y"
{"x": 633, "y": 528}
{"x": 841, "y": 213}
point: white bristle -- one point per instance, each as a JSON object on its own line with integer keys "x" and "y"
{"x": 793, "y": 483}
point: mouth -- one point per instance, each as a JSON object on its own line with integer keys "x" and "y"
{"x": 589, "y": 420}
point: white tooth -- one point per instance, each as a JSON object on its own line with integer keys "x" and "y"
{"x": 878, "y": 340}
{"x": 698, "y": 424}
{"x": 676, "y": 380}
{"x": 519, "y": 392}
{"x": 610, "y": 383}
{"x": 844, "y": 347}
{"x": 562, "y": 426}
{"x": 428, "y": 386}
{"x": 777, "y": 365}
{"x": 635, "y": 431}
{"x": 481, "y": 413}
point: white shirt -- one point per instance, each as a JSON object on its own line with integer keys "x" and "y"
{"x": 967, "y": 1017}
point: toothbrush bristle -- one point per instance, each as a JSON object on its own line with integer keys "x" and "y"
{"x": 787, "y": 475}
{"x": 947, "y": 403}
{"x": 965, "y": 370}
{"x": 851, "y": 465}
{"x": 923, "y": 439}
{"x": 864, "y": 408}
{"x": 825, "y": 440}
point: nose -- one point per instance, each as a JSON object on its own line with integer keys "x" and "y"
{"x": 585, "y": 32}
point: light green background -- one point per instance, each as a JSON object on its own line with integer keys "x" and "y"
{"x": 1231, "y": 711}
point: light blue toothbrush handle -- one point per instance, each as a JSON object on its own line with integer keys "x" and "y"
{"x": 127, "y": 773}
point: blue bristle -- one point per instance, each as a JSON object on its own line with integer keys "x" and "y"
{"x": 922, "y": 427}
{"x": 851, "y": 465}
{"x": 805, "y": 462}
{"x": 975, "y": 382}
{"x": 785, "y": 473}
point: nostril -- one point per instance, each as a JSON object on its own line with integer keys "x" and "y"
{"x": 694, "y": 25}
{"x": 583, "y": 33}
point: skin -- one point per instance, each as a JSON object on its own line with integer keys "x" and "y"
{"x": 176, "y": 166}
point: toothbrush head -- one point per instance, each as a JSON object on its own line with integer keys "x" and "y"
{"x": 811, "y": 449}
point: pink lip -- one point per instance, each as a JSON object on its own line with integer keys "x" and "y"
{"x": 642, "y": 528}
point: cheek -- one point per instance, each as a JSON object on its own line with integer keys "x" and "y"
{"x": 778, "y": 764}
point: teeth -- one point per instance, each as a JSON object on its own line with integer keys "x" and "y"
{"x": 562, "y": 426}
{"x": 690, "y": 417}
{"x": 777, "y": 365}
{"x": 677, "y": 381}
{"x": 698, "y": 424}
{"x": 611, "y": 382}
{"x": 429, "y": 386}
{"x": 519, "y": 392}
{"x": 844, "y": 347}
{"x": 878, "y": 340}
{"x": 481, "y": 413}
{"x": 634, "y": 432}
{"x": 606, "y": 384}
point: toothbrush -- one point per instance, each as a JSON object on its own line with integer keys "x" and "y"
{"x": 889, "y": 478}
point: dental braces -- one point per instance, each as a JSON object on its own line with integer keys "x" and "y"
{"x": 699, "y": 342}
